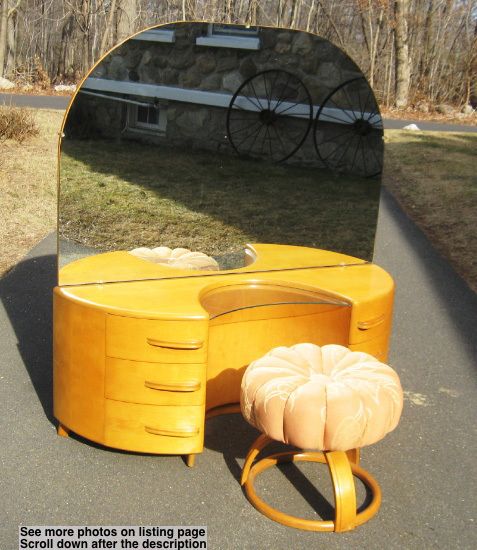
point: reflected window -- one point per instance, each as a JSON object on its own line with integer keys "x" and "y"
{"x": 231, "y": 30}
{"x": 148, "y": 118}
{"x": 230, "y": 36}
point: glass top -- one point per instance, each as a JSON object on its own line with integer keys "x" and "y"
{"x": 246, "y": 296}
{"x": 191, "y": 140}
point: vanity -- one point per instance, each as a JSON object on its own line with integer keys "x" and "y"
{"x": 145, "y": 352}
{"x": 139, "y": 365}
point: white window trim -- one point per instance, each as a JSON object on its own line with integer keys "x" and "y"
{"x": 238, "y": 41}
{"x": 133, "y": 125}
{"x": 156, "y": 35}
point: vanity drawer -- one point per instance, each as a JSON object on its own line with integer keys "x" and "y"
{"x": 154, "y": 428}
{"x": 154, "y": 383}
{"x": 156, "y": 340}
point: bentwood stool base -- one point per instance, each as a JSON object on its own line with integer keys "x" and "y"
{"x": 342, "y": 466}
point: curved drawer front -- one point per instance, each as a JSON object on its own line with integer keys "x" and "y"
{"x": 154, "y": 383}
{"x": 371, "y": 319}
{"x": 154, "y": 428}
{"x": 156, "y": 340}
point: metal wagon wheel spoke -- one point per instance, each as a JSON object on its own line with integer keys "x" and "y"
{"x": 269, "y": 116}
{"x": 348, "y": 132}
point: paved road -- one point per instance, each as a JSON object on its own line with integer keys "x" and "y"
{"x": 61, "y": 102}
{"x": 426, "y": 468}
{"x": 393, "y": 124}
{"x": 35, "y": 101}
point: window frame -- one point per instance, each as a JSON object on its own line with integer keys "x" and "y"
{"x": 133, "y": 124}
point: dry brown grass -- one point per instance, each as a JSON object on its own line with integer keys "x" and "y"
{"x": 433, "y": 176}
{"x": 28, "y": 189}
{"x": 17, "y": 124}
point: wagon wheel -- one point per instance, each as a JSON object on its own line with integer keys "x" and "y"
{"x": 348, "y": 131}
{"x": 269, "y": 116}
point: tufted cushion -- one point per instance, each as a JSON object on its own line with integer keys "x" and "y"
{"x": 327, "y": 398}
{"x": 181, "y": 258}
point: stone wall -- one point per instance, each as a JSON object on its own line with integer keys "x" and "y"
{"x": 319, "y": 64}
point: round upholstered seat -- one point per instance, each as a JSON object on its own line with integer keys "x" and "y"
{"x": 327, "y": 398}
{"x": 330, "y": 400}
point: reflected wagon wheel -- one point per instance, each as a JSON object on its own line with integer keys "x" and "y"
{"x": 269, "y": 116}
{"x": 348, "y": 131}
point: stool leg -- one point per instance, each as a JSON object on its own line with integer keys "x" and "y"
{"x": 341, "y": 471}
{"x": 260, "y": 443}
{"x": 344, "y": 490}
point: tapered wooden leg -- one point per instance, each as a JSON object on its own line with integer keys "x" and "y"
{"x": 190, "y": 460}
{"x": 63, "y": 431}
{"x": 344, "y": 490}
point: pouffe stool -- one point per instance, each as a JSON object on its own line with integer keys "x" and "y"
{"x": 329, "y": 400}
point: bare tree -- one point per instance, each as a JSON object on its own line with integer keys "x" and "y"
{"x": 126, "y": 14}
{"x": 7, "y": 36}
{"x": 410, "y": 50}
{"x": 403, "y": 63}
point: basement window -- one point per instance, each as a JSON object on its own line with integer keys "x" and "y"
{"x": 147, "y": 118}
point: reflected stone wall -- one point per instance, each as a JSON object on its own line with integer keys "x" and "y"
{"x": 319, "y": 64}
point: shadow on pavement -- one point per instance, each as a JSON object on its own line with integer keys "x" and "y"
{"x": 26, "y": 294}
{"x": 457, "y": 300}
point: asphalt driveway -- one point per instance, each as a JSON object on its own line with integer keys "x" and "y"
{"x": 426, "y": 468}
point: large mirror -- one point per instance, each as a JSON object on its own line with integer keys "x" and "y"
{"x": 190, "y": 140}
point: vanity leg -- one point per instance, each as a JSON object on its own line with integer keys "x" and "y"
{"x": 63, "y": 431}
{"x": 190, "y": 460}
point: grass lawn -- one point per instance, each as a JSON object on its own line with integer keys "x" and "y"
{"x": 28, "y": 189}
{"x": 434, "y": 177}
{"x": 123, "y": 195}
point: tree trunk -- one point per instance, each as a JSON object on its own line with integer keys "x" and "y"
{"x": 85, "y": 12}
{"x": 3, "y": 35}
{"x": 126, "y": 17}
{"x": 107, "y": 30}
{"x": 65, "y": 44}
{"x": 472, "y": 78}
{"x": 11, "y": 43}
{"x": 403, "y": 62}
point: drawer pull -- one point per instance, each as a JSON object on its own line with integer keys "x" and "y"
{"x": 190, "y": 386}
{"x": 187, "y": 432}
{"x": 366, "y": 325}
{"x": 191, "y": 345}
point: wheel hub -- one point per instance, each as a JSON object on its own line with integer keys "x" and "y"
{"x": 267, "y": 117}
{"x": 362, "y": 127}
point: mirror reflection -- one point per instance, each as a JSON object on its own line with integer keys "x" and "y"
{"x": 191, "y": 140}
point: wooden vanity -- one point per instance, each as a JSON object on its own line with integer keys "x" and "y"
{"x": 139, "y": 363}
{"x": 252, "y": 141}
